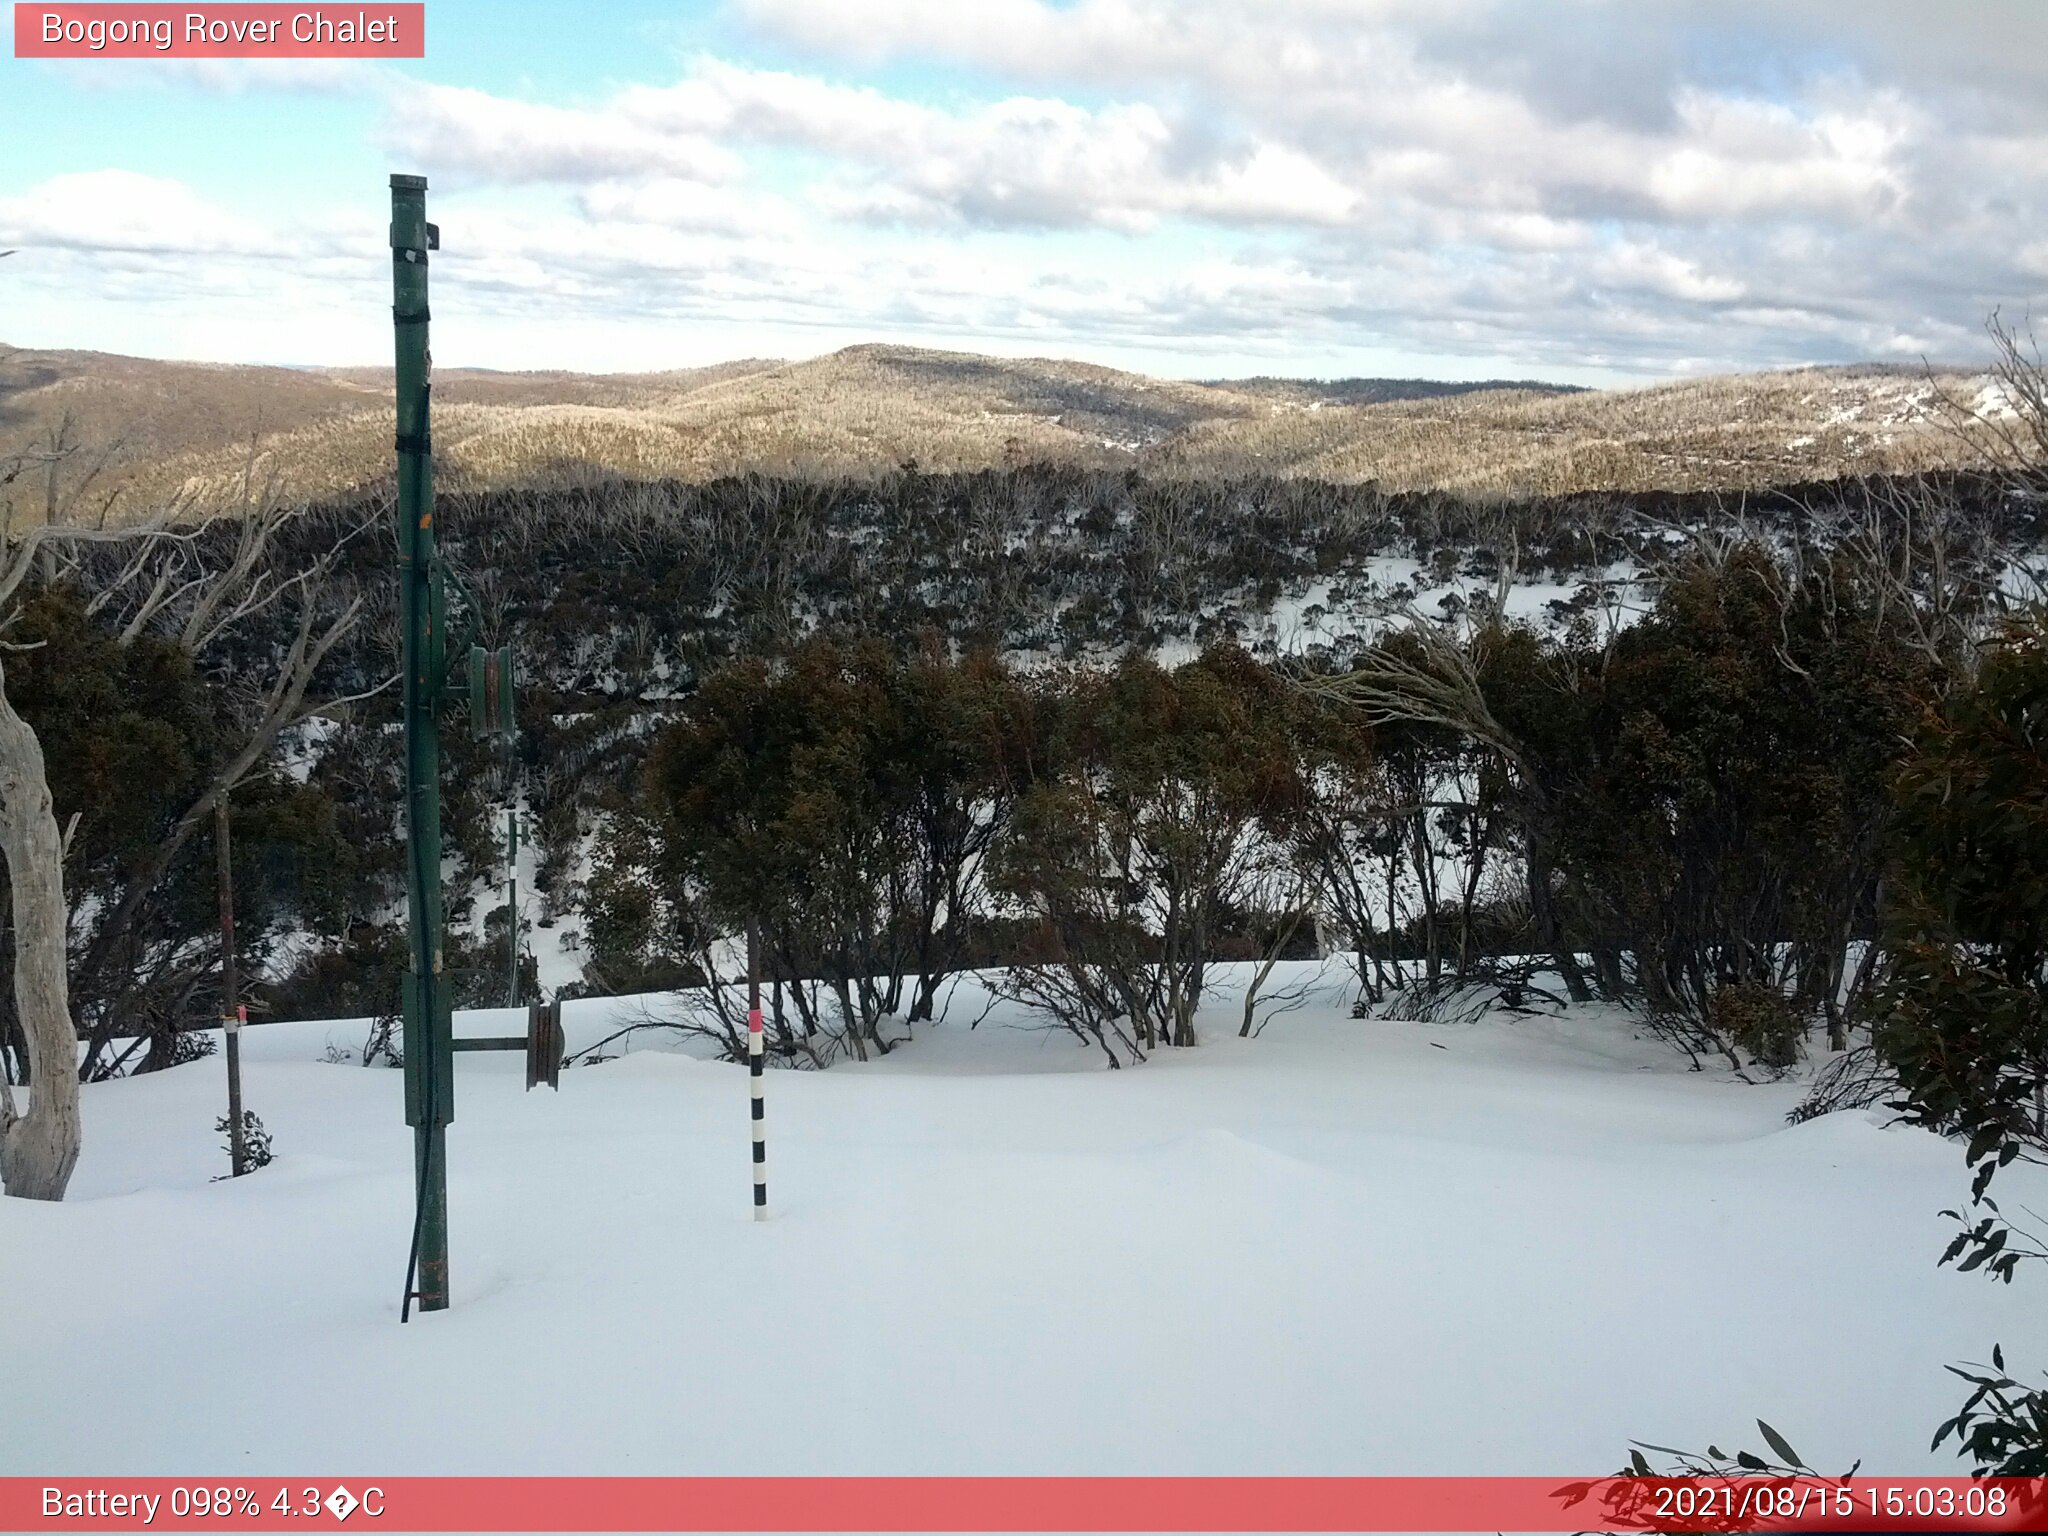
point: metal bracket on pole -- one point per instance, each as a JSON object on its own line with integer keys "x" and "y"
{"x": 545, "y": 1045}
{"x": 490, "y": 693}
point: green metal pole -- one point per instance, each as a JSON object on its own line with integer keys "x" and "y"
{"x": 428, "y": 1043}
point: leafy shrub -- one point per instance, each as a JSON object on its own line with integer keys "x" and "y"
{"x": 1965, "y": 1012}
{"x": 1759, "y": 1019}
{"x": 192, "y": 1045}
{"x": 256, "y": 1151}
{"x": 2003, "y": 1426}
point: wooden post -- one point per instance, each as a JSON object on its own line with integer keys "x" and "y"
{"x": 230, "y": 988}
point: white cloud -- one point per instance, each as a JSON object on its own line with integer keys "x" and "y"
{"x": 1664, "y": 273}
{"x": 1649, "y": 186}
{"x": 1019, "y": 161}
{"x": 1744, "y": 158}
{"x": 481, "y": 137}
{"x": 121, "y": 211}
{"x": 678, "y": 204}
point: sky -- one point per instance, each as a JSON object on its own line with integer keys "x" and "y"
{"x": 1597, "y": 193}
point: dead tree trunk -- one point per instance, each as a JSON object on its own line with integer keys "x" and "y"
{"x": 38, "y": 1149}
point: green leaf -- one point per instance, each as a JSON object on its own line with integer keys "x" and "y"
{"x": 1776, "y": 1442}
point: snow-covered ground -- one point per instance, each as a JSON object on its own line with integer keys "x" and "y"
{"x": 1342, "y": 1247}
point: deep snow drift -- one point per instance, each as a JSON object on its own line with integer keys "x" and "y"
{"x": 1343, "y": 1247}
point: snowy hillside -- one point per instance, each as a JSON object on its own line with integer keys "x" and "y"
{"x": 1342, "y": 1247}
{"x": 164, "y": 431}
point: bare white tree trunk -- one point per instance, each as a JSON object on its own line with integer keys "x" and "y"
{"x": 38, "y": 1149}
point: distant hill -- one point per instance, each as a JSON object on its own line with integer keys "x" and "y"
{"x": 1377, "y": 391}
{"x": 96, "y": 435}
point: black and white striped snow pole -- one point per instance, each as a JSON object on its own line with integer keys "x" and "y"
{"x": 756, "y": 1059}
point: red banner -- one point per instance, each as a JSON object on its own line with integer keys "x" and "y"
{"x": 262, "y": 31}
{"x": 1024, "y": 1504}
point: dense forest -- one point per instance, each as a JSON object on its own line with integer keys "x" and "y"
{"x": 1036, "y": 721}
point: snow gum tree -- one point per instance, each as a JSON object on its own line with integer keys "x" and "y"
{"x": 39, "y": 1145}
{"x": 100, "y": 630}
{"x": 839, "y": 804}
{"x": 1167, "y": 794}
{"x": 1966, "y": 1007}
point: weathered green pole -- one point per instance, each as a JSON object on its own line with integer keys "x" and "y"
{"x": 429, "y": 1061}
